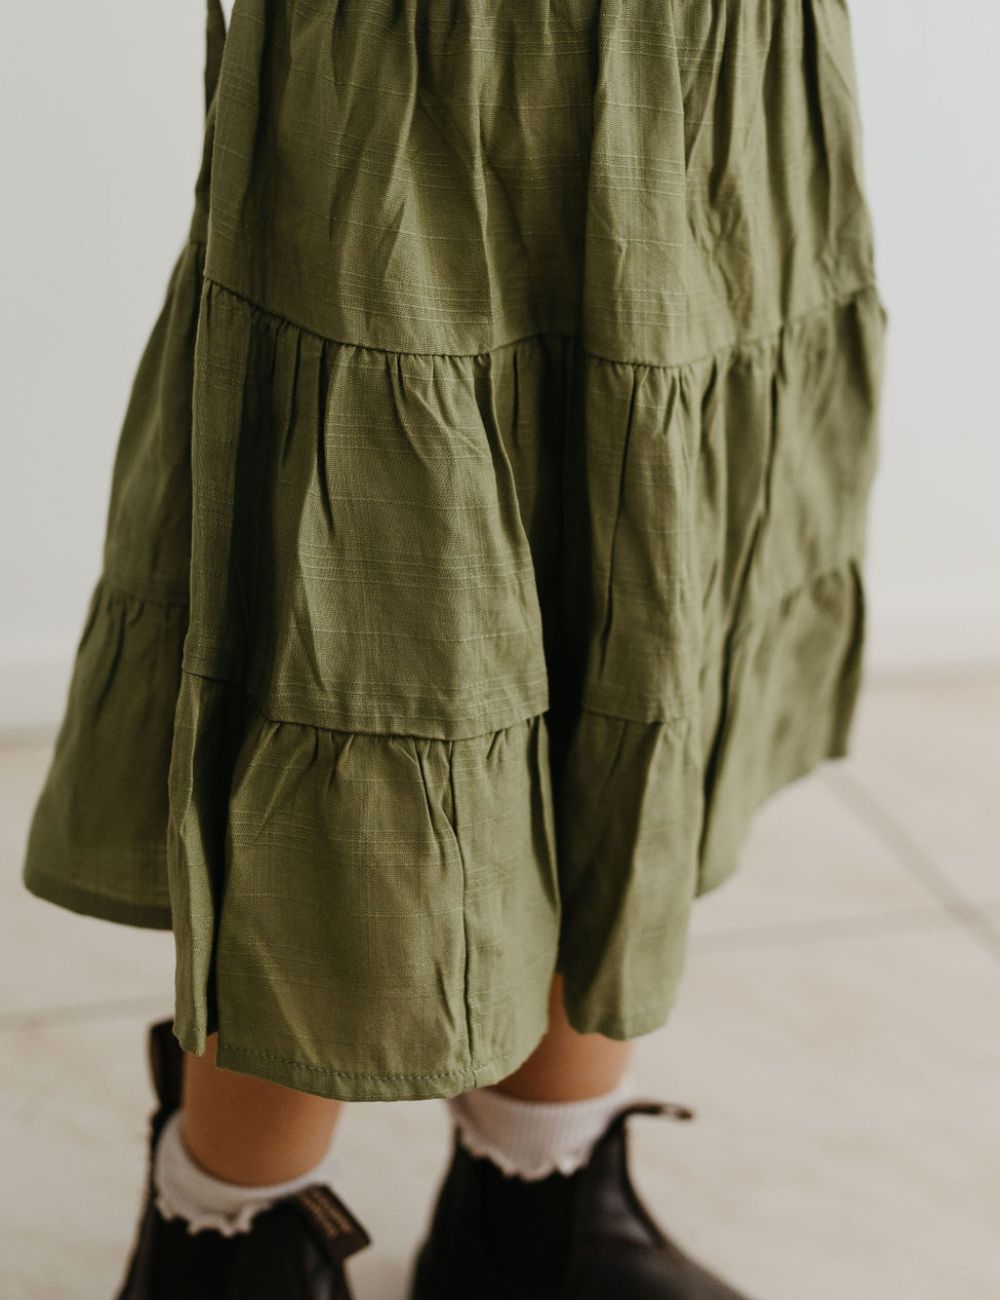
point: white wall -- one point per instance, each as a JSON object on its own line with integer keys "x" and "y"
{"x": 100, "y": 127}
{"x": 930, "y": 94}
{"x": 100, "y": 131}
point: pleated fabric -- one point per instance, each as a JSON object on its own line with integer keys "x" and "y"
{"x": 487, "y": 529}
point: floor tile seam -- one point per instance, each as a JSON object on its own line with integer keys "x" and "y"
{"x": 935, "y": 880}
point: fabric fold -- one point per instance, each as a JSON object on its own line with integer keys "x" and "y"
{"x": 407, "y": 884}
{"x": 407, "y": 766}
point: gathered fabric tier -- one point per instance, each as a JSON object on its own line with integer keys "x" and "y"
{"x": 487, "y": 526}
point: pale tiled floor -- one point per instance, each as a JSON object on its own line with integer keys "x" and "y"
{"x": 838, "y": 1033}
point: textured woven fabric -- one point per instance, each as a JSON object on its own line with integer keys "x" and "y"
{"x": 487, "y": 529}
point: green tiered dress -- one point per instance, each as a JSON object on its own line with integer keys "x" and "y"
{"x": 487, "y": 526}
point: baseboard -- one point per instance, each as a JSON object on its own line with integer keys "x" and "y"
{"x": 33, "y": 685}
{"x": 942, "y": 632}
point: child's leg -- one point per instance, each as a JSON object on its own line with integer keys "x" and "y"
{"x": 254, "y": 1133}
{"x": 248, "y": 1130}
{"x": 548, "y": 1114}
{"x": 228, "y": 1153}
{"x": 566, "y": 1065}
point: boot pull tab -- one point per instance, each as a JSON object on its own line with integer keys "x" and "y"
{"x": 649, "y": 1106}
{"x": 335, "y": 1227}
{"x": 676, "y": 1110}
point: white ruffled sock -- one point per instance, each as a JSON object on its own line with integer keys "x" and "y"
{"x": 532, "y": 1139}
{"x": 185, "y": 1190}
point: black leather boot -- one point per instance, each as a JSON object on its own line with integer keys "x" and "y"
{"x": 585, "y": 1236}
{"x": 295, "y": 1250}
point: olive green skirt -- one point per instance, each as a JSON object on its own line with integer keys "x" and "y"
{"x": 487, "y": 525}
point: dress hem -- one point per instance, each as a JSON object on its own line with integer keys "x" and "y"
{"x": 103, "y": 907}
{"x": 342, "y": 1085}
{"x": 362, "y": 1086}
